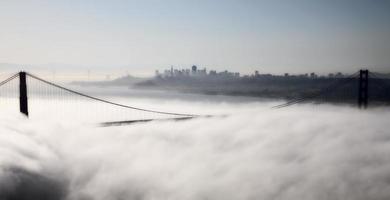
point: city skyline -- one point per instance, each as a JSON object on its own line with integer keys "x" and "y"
{"x": 196, "y": 71}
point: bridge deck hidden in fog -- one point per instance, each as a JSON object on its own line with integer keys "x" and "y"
{"x": 33, "y": 92}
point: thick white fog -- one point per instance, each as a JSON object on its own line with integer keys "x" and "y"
{"x": 302, "y": 152}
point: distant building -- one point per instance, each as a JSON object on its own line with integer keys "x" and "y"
{"x": 202, "y": 72}
{"x": 213, "y": 73}
{"x": 157, "y": 73}
{"x": 193, "y": 69}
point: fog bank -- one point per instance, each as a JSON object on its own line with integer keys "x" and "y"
{"x": 304, "y": 152}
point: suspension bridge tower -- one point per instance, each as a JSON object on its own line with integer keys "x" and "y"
{"x": 363, "y": 89}
{"x": 23, "y": 103}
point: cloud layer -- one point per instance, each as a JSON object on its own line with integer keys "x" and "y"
{"x": 324, "y": 152}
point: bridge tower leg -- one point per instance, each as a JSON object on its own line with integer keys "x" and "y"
{"x": 23, "y": 103}
{"x": 363, "y": 89}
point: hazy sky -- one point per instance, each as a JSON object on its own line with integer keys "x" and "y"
{"x": 273, "y": 36}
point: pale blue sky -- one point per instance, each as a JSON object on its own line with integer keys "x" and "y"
{"x": 273, "y": 36}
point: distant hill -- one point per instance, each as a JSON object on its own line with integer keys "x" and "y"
{"x": 269, "y": 86}
{"x": 121, "y": 81}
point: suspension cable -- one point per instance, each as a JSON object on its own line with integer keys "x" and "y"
{"x": 109, "y": 102}
{"x": 319, "y": 93}
{"x": 9, "y": 79}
